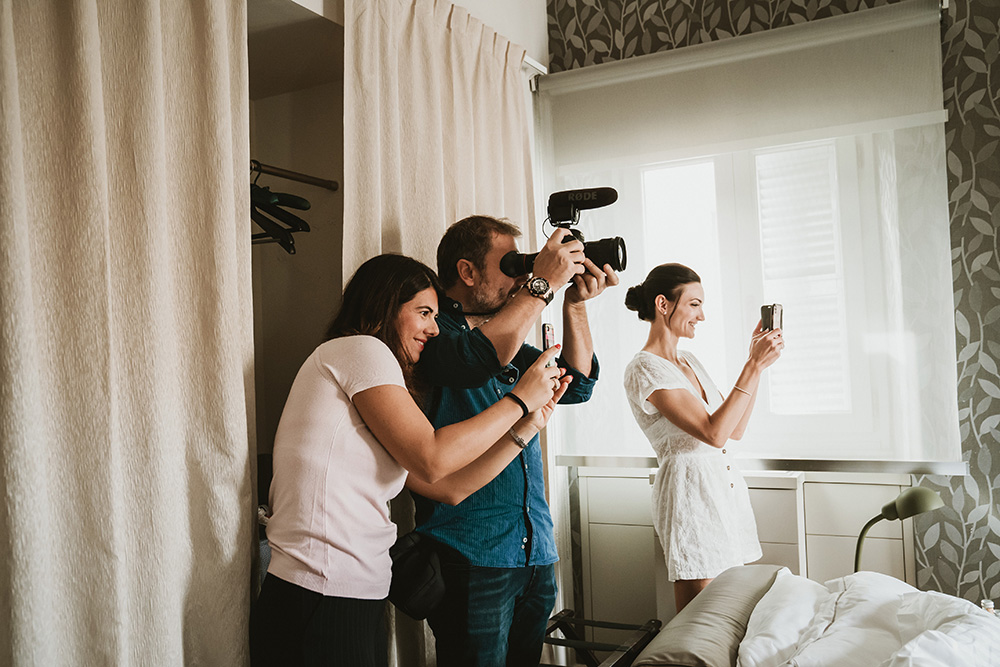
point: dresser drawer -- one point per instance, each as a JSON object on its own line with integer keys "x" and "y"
{"x": 844, "y": 509}
{"x": 619, "y": 500}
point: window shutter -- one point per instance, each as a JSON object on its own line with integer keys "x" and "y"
{"x": 802, "y": 269}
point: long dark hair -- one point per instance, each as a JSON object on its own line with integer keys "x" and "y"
{"x": 665, "y": 279}
{"x": 373, "y": 298}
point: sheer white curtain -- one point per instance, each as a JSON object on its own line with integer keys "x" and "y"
{"x": 435, "y": 127}
{"x": 823, "y": 141}
{"x": 125, "y": 333}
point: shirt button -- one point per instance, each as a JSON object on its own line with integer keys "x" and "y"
{"x": 723, "y": 451}
{"x": 524, "y": 539}
{"x": 728, "y": 468}
{"x": 731, "y": 486}
{"x": 510, "y": 380}
{"x": 522, "y": 547}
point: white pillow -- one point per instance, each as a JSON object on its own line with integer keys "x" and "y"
{"x": 778, "y": 621}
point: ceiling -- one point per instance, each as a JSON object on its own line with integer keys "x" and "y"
{"x": 291, "y": 48}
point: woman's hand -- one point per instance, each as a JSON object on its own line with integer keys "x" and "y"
{"x": 765, "y": 346}
{"x": 540, "y": 417}
{"x": 538, "y": 384}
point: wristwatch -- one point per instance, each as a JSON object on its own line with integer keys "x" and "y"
{"x": 539, "y": 287}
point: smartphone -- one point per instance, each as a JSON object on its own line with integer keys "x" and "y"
{"x": 770, "y": 316}
{"x": 548, "y": 340}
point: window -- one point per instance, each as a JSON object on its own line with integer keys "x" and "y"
{"x": 815, "y": 226}
{"x": 802, "y": 266}
{"x": 803, "y": 167}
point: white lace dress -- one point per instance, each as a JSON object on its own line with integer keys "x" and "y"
{"x": 701, "y": 506}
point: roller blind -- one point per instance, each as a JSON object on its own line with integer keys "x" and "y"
{"x": 824, "y": 146}
{"x": 874, "y": 65}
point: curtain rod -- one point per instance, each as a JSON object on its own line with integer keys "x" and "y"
{"x": 293, "y": 175}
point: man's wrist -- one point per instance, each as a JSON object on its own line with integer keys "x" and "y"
{"x": 539, "y": 287}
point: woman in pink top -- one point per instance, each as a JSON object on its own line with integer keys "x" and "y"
{"x": 350, "y": 432}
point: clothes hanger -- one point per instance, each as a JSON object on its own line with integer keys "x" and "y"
{"x": 267, "y": 212}
{"x": 273, "y": 232}
{"x": 271, "y": 203}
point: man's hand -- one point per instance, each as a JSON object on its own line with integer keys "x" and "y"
{"x": 591, "y": 282}
{"x": 558, "y": 262}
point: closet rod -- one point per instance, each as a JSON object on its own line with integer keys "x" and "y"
{"x": 293, "y": 175}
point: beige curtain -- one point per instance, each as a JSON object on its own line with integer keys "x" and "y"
{"x": 125, "y": 333}
{"x": 435, "y": 127}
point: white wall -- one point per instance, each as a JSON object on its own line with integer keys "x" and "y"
{"x": 521, "y": 21}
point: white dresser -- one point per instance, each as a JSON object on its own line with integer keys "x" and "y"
{"x": 807, "y": 521}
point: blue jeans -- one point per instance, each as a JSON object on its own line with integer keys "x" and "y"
{"x": 492, "y": 616}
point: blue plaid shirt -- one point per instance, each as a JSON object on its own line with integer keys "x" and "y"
{"x": 507, "y": 522}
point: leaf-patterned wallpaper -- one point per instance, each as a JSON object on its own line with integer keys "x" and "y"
{"x": 590, "y": 32}
{"x": 958, "y": 547}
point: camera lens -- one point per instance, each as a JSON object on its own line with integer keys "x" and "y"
{"x": 607, "y": 251}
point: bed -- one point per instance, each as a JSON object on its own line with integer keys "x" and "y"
{"x": 764, "y": 616}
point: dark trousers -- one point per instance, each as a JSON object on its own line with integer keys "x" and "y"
{"x": 290, "y": 625}
{"x": 491, "y": 616}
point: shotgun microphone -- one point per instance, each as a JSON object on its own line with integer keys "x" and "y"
{"x": 567, "y": 204}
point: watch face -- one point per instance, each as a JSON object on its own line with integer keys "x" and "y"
{"x": 538, "y": 286}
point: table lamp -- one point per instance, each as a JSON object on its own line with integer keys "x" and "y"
{"x": 914, "y": 500}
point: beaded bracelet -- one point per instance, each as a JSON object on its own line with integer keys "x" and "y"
{"x": 518, "y": 440}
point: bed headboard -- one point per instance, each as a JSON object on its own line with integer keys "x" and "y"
{"x": 707, "y": 633}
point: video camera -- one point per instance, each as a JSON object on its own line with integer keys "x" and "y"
{"x": 564, "y": 211}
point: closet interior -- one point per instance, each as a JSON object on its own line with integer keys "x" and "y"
{"x": 296, "y": 66}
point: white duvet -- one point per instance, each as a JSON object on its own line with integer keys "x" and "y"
{"x": 866, "y": 620}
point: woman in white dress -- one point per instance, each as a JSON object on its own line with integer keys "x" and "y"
{"x": 701, "y": 506}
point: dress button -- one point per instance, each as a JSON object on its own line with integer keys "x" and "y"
{"x": 728, "y": 468}
{"x": 723, "y": 451}
{"x": 731, "y": 486}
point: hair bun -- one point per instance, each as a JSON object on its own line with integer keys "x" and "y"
{"x": 634, "y": 298}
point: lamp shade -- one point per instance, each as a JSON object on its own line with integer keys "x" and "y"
{"x": 914, "y": 500}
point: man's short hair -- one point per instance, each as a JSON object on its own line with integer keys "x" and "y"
{"x": 470, "y": 238}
